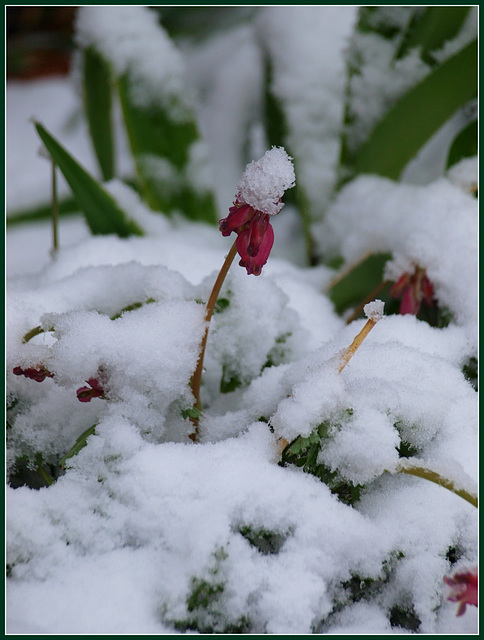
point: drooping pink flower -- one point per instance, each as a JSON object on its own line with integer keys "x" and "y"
{"x": 39, "y": 373}
{"x": 259, "y": 194}
{"x": 94, "y": 390}
{"x": 463, "y": 588}
{"x": 413, "y": 289}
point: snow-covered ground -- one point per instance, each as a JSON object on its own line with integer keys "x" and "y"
{"x": 149, "y": 533}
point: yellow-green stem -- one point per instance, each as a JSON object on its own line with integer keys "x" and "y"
{"x": 197, "y": 376}
{"x": 55, "y": 211}
{"x": 354, "y": 346}
{"x": 428, "y": 474}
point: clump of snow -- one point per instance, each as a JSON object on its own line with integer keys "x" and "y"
{"x": 304, "y": 47}
{"x": 374, "y": 310}
{"x": 464, "y": 174}
{"x": 134, "y": 42}
{"x": 264, "y": 181}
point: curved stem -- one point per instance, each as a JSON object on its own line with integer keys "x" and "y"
{"x": 433, "y": 476}
{"x": 197, "y": 376}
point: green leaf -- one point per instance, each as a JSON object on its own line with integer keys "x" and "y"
{"x": 102, "y": 213}
{"x": 164, "y": 150}
{"x": 66, "y": 206}
{"x": 230, "y": 381}
{"x": 418, "y": 115}
{"x": 79, "y": 444}
{"x": 221, "y": 305}
{"x": 191, "y": 412}
{"x": 430, "y": 28}
{"x": 97, "y": 105}
{"x": 358, "y": 283}
{"x": 464, "y": 144}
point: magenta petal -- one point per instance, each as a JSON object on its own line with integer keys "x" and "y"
{"x": 255, "y": 263}
{"x": 237, "y": 218}
{"x": 257, "y": 231}
{"x": 408, "y": 303}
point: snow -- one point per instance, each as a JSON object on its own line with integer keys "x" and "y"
{"x": 142, "y": 516}
{"x": 134, "y": 42}
{"x": 264, "y": 181}
{"x": 374, "y": 310}
{"x": 309, "y": 81}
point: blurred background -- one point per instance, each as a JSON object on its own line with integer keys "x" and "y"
{"x": 39, "y": 41}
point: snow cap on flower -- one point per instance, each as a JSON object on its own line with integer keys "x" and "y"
{"x": 265, "y": 181}
{"x": 374, "y": 310}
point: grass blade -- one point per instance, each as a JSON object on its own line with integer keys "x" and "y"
{"x": 418, "y": 115}
{"x": 102, "y": 213}
{"x": 97, "y": 106}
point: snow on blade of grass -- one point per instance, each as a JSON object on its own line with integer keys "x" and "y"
{"x": 131, "y": 37}
{"x": 305, "y": 45}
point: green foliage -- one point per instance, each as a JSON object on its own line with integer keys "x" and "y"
{"x": 66, "y": 206}
{"x": 78, "y": 445}
{"x": 164, "y": 149}
{"x": 408, "y": 120}
{"x": 357, "y": 284}
{"x": 429, "y": 28}
{"x": 98, "y": 106}
{"x": 191, "y": 412}
{"x": 404, "y": 617}
{"x": 202, "y": 22}
{"x": 265, "y": 541}
{"x": 102, "y": 213}
{"x": 32, "y": 472}
{"x": 206, "y": 611}
{"x": 132, "y": 307}
{"x": 303, "y": 452}
{"x": 221, "y": 305}
{"x": 418, "y": 114}
{"x": 464, "y": 144}
{"x": 471, "y": 372}
{"x": 230, "y": 380}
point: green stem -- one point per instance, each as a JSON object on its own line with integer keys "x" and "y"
{"x": 55, "y": 211}
{"x": 433, "y": 476}
{"x": 44, "y": 475}
{"x": 197, "y": 376}
{"x": 36, "y": 331}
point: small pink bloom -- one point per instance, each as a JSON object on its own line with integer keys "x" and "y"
{"x": 463, "y": 588}
{"x": 259, "y": 194}
{"x": 94, "y": 390}
{"x": 39, "y": 373}
{"x": 413, "y": 289}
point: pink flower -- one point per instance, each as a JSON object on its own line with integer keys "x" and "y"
{"x": 255, "y": 235}
{"x": 259, "y": 194}
{"x": 463, "y": 585}
{"x": 413, "y": 289}
{"x": 39, "y": 373}
{"x": 94, "y": 390}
